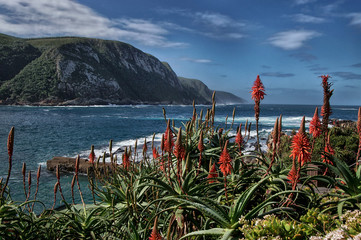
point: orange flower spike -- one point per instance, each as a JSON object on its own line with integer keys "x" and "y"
{"x": 10, "y": 143}
{"x": 168, "y": 139}
{"x": 155, "y": 153}
{"x": 258, "y": 90}
{"x": 293, "y": 174}
{"x": 200, "y": 143}
{"x": 328, "y": 150}
{"x": 179, "y": 149}
{"x": 225, "y": 161}
{"x": 315, "y": 125}
{"x": 92, "y": 155}
{"x": 212, "y": 174}
{"x": 162, "y": 143}
{"x": 155, "y": 235}
{"x": 301, "y": 146}
{"x": 239, "y": 139}
{"x": 126, "y": 162}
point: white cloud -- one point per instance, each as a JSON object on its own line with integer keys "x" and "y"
{"x": 217, "y": 20}
{"x": 209, "y": 24}
{"x": 302, "y": 18}
{"x": 355, "y": 18}
{"x": 300, "y": 2}
{"x": 39, "y": 18}
{"x": 292, "y": 39}
{"x": 196, "y": 60}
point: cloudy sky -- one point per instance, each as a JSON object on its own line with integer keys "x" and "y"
{"x": 289, "y": 43}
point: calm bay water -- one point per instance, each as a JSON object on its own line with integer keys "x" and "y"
{"x": 44, "y": 132}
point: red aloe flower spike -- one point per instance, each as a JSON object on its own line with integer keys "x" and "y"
{"x": 225, "y": 161}
{"x": 302, "y": 126}
{"x": 258, "y": 90}
{"x": 257, "y": 95}
{"x": 315, "y": 125}
{"x": 126, "y": 161}
{"x": 155, "y": 235}
{"x": 10, "y": 145}
{"x": 359, "y": 133}
{"x": 72, "y": 188}
{"x": 328, "y": 151}
{"x": 239, "y": 139}
{"x": 279, "y": 133}
{"x": 92, "y": 154}
{"x": 293, "y": 175}
{"x": 162, "y": 143}
{"x": 201, "y": 149}
{"x": 24, "y": 174}
{"x": 275, "y": 135}
{"x": 168, "y": 139}
{"x": 200, "y": 143}
{"x": 145, "y": 147}
{"x": 212, "y": 174}
{"x": 155, "y": 153}
{"x": 301, "y": 146}
{"x": 326, "y": 108}
{"x": 179, "y": 151}
{"x": 37, "y": 186}
{"x": 29, "y": 186}
{"x": 55, "y": 191}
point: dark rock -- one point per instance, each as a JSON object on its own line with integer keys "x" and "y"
{"x": 67, "y": 164}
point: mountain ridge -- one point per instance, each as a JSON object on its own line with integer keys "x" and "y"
{"x": 87, "y": 71}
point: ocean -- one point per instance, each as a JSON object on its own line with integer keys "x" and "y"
{"x": 44, "y": 132}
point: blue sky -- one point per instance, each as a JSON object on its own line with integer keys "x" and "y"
{"x": 289, "y": 43}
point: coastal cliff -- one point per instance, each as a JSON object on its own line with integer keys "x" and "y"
{"x": 84, "y": 71}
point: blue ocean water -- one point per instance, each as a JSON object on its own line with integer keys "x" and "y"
{"x": 44, "y": 132}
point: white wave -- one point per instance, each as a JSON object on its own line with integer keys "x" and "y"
{"x": 346, "y": 109}
{"x": 293, "y": 121}
{"x": 120, "y": 146}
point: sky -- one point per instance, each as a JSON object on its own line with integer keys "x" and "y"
{"x": 225, "y": 44}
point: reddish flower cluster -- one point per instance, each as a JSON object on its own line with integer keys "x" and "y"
{"x": 155, "y": 153}
{"x": 168, "y": 139}
{"x": 326, "y": 108}
{"x": 155, "y": 235}
{"x": 315, "y": 125}
{"x": 225, "y": 161}
{"x": 239, "y": 139}
{"x": 92, "y": 155}
{"x": 200, "y": 143}
{"x": 328, "y": 151}
{"x": 258, "y": 90}
{"x": 301, "y": 146}
{"x": 212, "y": 174}
{"x": 293, "y": 175}
{"x": 126, "y": 161}
{"x": 179, "y": 150}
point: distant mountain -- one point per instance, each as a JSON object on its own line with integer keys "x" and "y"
{"x": 203, "y": 92}
{"x": 84, "y": 71}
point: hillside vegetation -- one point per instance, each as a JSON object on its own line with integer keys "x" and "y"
{"x": 83, "y": 71}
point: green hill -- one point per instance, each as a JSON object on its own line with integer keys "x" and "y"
{"x": 85, "y": 71}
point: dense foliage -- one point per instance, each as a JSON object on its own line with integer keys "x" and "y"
{"x": 201, "y": 184}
